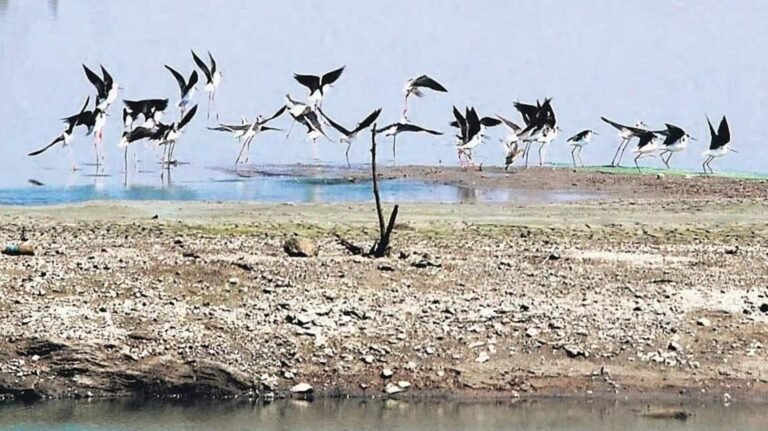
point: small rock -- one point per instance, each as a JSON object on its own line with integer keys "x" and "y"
{"x": 532, "y": 333}
{"x": 554, "y": 256}
{"x": 674, "y": 346}
{"x": 764, "y": 307}
{"x": 234, "y": 281}
{"x": 387, "y": 373}
{"x": 482, "y": 357}
{"x": 704, "y": 322}
{"x": 573, "y": 351}
{"x": 404, "y": 384}
{"x": 392, "y": 388}
{"x": 368, "y": 359}
{"x": 386, "y": 267}
{"x": 300, "y": 247}
{"x": 659, "y": 176}
{"x": 302, "y": 388}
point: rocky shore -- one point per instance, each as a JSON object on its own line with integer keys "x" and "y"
{"x": 610, "y": 298}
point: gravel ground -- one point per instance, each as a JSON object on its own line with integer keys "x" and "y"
{"x": 612, "y": 298}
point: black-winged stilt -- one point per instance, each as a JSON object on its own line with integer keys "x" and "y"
{"x": 168, "y": 134}
{"x": 676, "y": 140}
{"x": 626, "y": 133}
{"x": 578, "y": 142}
{"x": 246, "y": 131}
{"x": 347, "y": 135}
{"x": 212, "y": 80}
{"x": 395, "y": 129}
{"x": 187, "y": 88}
{"x": 471, "y": 132}
{"x": 415, "y": 87}
{"x": 106, "y": 87}
{"x": 720, "y": 145}
{"x": 318, "y": 85}
{"x": 150, "y": 109}
{"x": 647, "y": 144}
{"x": 65, "y": 137}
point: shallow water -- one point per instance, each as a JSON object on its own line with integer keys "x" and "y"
{"x": 372, "y": 415}
{"x": 273, "y": 184}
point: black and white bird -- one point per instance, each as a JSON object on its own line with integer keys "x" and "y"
{"x": 318, "y": 85}
{"x": 246, "y": 131}
{"x": 471, "y": 132}
{"x": 169, "y": 133}
{"x": 395, "y": 129}
{"x": 676, "y": 140}
{"x": 416, "y": 86}
{"x": 626, "y": 133}
{"x": 187, "y": 88}
{"x": 151, "y": 109}
{"x": 137, "y": 134}
{"x": 540, "y": 126}
{"x": 578, "y": 142}
{"x": 65, "y": 137}
{"x": 212, "y": 80}
{"x": 106, "y": 87}
{"x": 720, "y": 145}
{"x": 347, "y": 135}
{"x": 647, "y": 144}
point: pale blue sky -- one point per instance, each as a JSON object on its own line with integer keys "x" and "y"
{"x": 656, "y": 60}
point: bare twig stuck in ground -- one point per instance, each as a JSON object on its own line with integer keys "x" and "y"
{"x": 381, "y": 247}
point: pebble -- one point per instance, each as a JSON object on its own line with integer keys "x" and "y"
{"x": 482, "y": 357}
{"x": 387, "y": 373}
{"x": 302, "y": 388}
{"x": 704, "y": 322}
{"x": 532, "y": 333}
{"x": 368, "y": 359}
{"x": 392, "y": 388}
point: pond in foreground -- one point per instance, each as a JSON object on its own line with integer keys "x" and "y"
{"x": 375, "y": 415}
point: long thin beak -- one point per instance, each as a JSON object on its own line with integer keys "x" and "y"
{"x": 693, "y": 139}
{"x": 734, "y": 150}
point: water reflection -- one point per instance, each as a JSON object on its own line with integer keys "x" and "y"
{"x": 366, "y": 415}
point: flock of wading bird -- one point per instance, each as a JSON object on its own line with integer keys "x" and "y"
{"x": 538, "y": 126}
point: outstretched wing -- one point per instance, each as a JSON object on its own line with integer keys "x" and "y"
{"x": 489, "y": 122}
{"x": 203, "y": 67}
{"x": 332, "y": 76}
{"x": 179, "y": 79}
{"x": 367, "y": 121}
{"x": 460, "y": 122}
{"x": 415, "y": 128}
{"x": 213, "y": 63}
{"x": 96, "y": 81}
{"x": 724, "y": 132}
{"x": 108, "y": 81}
{"x": 426, "y": 81}
{"x": 578, "y": 137}
{"x": 615, "y": 124}
{"x": 509, "y": 124}
{"x": 187, "y": 117}
{"x": 192, "y": 81}
{"x": 528, "y": 112}
{"x": 278, "y": 113}
{"x": 58, "y": 139}
{"x": 310, "y": 81}
{"x": 473, "y": 123}
{"x": 341, "y": 129}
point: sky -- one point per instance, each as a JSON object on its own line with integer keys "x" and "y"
{"x": 653, "y": 60}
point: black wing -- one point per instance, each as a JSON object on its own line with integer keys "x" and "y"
{"x": 461, "y": 122}
{"x": 426, "y": 81}
{"x": 473, "y": 123}
{"x": 336, "y": 125}
{"x": 278, "y": 113}
{"x": 579, "y": 136}
{"x": 157, "y": 104}
{"x": 367, "y": 121}
{"x": 310, "y": 81}
{"x": 192, "y": 81}
{"x": 108, "y": 81}
{"x": 645, "y": 138}
{"x": 332, "y": 76}
{"x": 203, "y": 67}
{"x": 528, "y": 112}
{"x": 140, "y": 133}
{"x": 96, "y": 81}
{"x": 213, "y": 63}
{"x": 724, "y": 132}
{"x": 387, "y": 127}
{"x": 673, "y": 134}
{"x": 615, "y": 124}
{"x": 415, "y": 128}
{"x": 489, "y": 122}
{"x": 58, "y": 139}
{"x": 179, "y": 79}
{"x": 187, "y": 117}
{"x": 72, "y": 120}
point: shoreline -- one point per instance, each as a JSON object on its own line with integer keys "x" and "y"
{"x": 633, "y": 298}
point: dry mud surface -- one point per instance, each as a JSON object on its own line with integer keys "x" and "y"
{"x": 661, "y": 291}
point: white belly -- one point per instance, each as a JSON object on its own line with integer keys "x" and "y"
{"x": 719, "y": 152}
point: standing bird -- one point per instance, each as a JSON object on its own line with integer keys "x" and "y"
{"x": 212, "y": 80}
{"x": 66, "y": 136}
{"x": 676, "y": 140}
{"x": 151, "y": 109}
{"x": 318, "y": 85}
{"x": 471, "y": 132}
{"x": 137, "y": 134}
{"x": 647, "y": 144}
{"x": 106, "y": 87}
{"x": 540, "y": 126}
{"x": 168, "y": 134}
{"x": 187, "y": 88}
{"x": 578, "y": 142}
{"x": 245, "y": 132}
{"x": 414, "y": 87}
{"x": 395, "y": 129}
{"x": 511, "y": 143}
{"x": 347, "y": 136}
{"x": 720, "y": 144}
{"x": 626, "y": 133}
